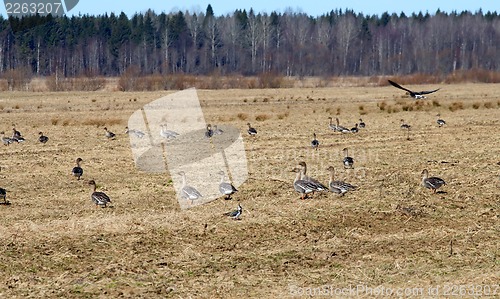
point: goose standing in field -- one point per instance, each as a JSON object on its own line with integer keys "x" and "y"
{"x": 16, "y": 136}
{"x": 188, "y": 192}
{"x": 209, "y": 132}
{"x": 432, "y": 183}
{"x": 331, "y": 125}
{"x": 109, "y": 134}
{"x": 347, "y": 161}
{"x": 165, "y": 133}
{"x": 251, "y": 131}
{"x": 414, "y": 94}
{"x": 355, "y": 129}
{"x": 362, "y": 124}
{"x": 235, "y": 215}
{"x": 340, "y": 128}
{"x": 42, "y": 138}
{"x": 302, "y": 186}
{"x": 318, "y": 186}
{"x": 137, "y": 133}
{"x": 6, "y": 140}
{"x": 440, "y": 121}
{"x": 226, "y": 188}
{"x": 99, "y": 198}
{"x": 315, "y": 142}
{"x": 404, "y": 125}
{"x": 16, "y": 133}
{"x": 338, "y": 187}
{"x": 3, "y": 193}
{"x": 77, "y": 170}
{"x": 218, "y": 131}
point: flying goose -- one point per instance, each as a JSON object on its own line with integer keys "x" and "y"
{"x": 440, "y": 121}
{"x": 300, "y": 185}
{"x": 315, "y": 142}
{"x": 338, "y": 187}
{"x": 77, "y": 170}
{"x": 137, "y": 133}
{"x": 188, "y": 192}
{"x": 109, "y": 134}
{"x": 348, "y": 161}
{"x": 42, "y": 138}
{"x": 99, "y": 198}
{"x": 318, "y": 186}
{"x": 165, "y": 133}
{"x": 414, "y": 94}
{"x": 235, "y": 215}
{"x": 251, "y": 131}
{"x": 432, "y": 183}
{"x": 226, "y": 188}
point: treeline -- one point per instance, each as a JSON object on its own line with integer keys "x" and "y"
{"x": 338, "y": 43}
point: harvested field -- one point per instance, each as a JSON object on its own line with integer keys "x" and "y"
{"x": 390, "y": 233}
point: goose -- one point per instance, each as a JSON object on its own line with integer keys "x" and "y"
{"x": 3, "y": 193}
{"x": 338, "y": 187}
{"x": 188, "y": 192}
{"x": 348, "y": 161}
{"x": 109, "y": 134}
{"x": 99, "y": 198}
{"x": 226, "y": 188}
{"x": 6, "y": 140}
{"x": 432, "y": 183}
{"x": 137, "y": 133}
{"x": 42, "y": 138}
{"x": 16, "y": 133}
{"x": 77, "y": 170}
{"x": 404, "y": 125}
{"x": 235, "y": 215}
{"x": 340, "y": 128}
{"x": 414, "y": 94}
{"x": 218, "y": 131}
{"x": 251, "y": 131}
{"x": 362, "y": 124}
{"x": 16, "y": 136}
{"x": 302, "y": 186}
{"x": 440, "y": 121}
{"x": 315, "y": 142}
{"x": 331, "y": 125}
{"x": 318, "y": 186}
{"x": 209, "y": 132}
{"x": 165, "y": 133}
{"x": 355, "y": 129}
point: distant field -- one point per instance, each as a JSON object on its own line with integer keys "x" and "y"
{"x": 391, "y": 233}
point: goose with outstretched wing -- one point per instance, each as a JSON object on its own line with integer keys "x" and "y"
{"x": 414, "y": 94}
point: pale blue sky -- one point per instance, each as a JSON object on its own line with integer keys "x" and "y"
{"x": 314, "y": 8}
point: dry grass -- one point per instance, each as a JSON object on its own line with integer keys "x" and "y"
{"x": 390, "y": 233}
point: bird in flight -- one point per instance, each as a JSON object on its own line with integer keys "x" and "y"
{"x": 414, "y": 94}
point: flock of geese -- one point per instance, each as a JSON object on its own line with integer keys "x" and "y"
{"x": 303, "y": 184}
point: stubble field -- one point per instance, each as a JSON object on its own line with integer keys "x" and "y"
{"x": 391, "y": 233}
